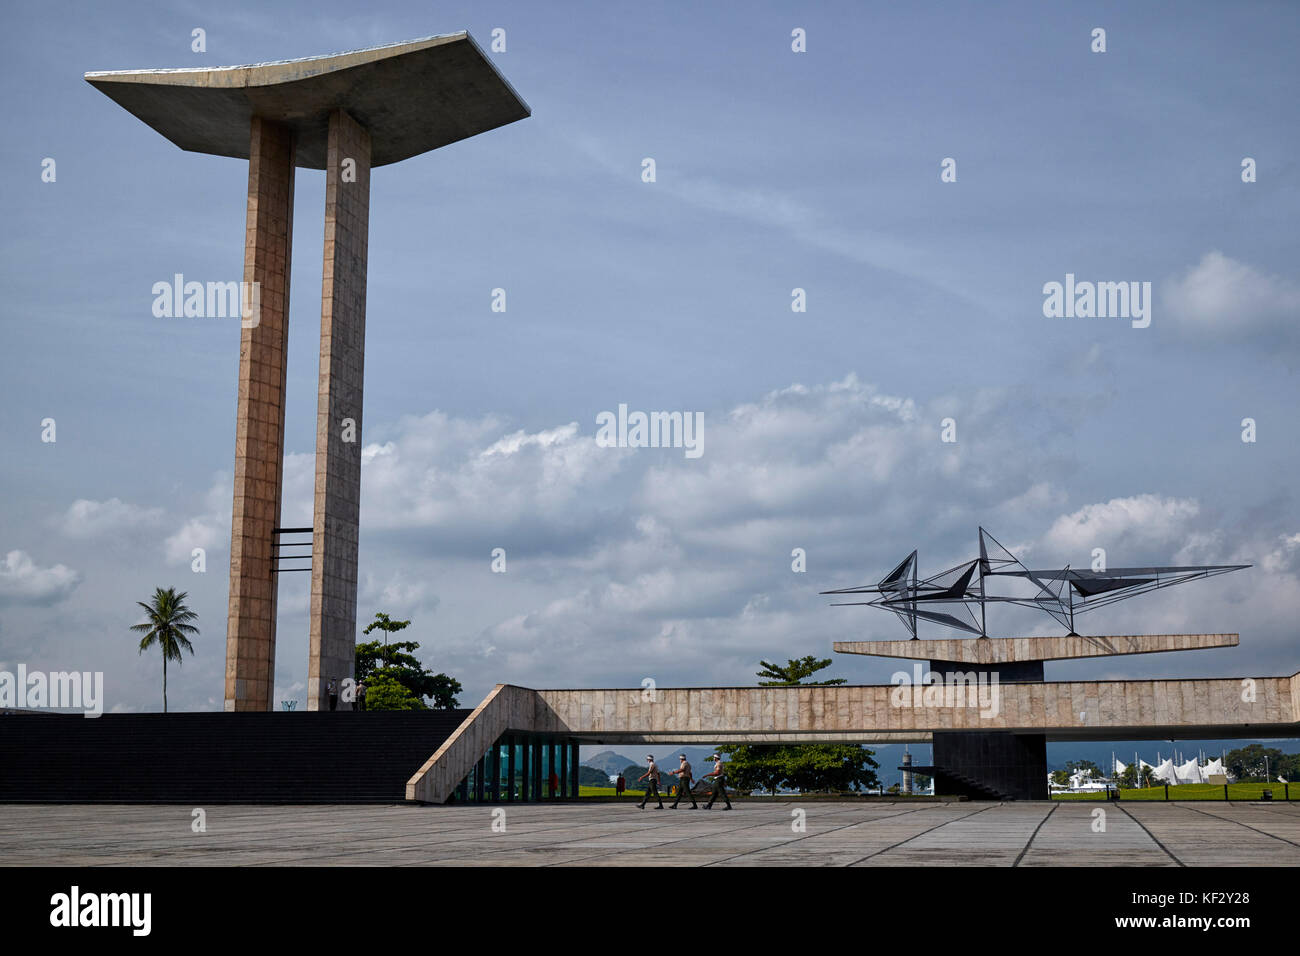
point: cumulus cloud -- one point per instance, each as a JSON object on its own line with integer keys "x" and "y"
{"x": 89, "y": 519}
{"x": 1141, "y": 523}
{"x": 1225, "y": 298}
{"x": 632, "y": 563}
{"x": 22, "y": 581}
{"x": 209, "y": 530}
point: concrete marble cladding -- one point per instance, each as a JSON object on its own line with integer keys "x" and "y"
{"x": 1065, "y": 710}
{"x": 337, "y": 512}
{"x": 1006, "y": 650}
{"x": 259, "y": 428}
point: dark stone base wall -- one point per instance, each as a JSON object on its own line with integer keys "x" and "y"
{"x": 986, "y": 766}
{"x": 198, "y": 758}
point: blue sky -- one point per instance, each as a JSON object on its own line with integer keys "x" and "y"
{"x": 775, "y": 170}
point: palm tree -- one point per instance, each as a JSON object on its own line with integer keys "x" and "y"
{"x": 168, "y": 623}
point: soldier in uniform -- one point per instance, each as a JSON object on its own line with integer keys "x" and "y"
{"x": 719, "y": 788}
{"x": 652, "y": 787}
{"x": 684, "y": 781}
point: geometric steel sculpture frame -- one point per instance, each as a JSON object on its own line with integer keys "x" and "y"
{"x": 1061, "y": 593}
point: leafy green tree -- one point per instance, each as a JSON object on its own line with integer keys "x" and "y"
{"x": 1288, "y": 767}
{"x": 383, "y": 622}
{"x": 1250, "y": 762}
{"x": 755, "y": 766}
{"x": 835, "y": 768}
{"x": 591, "y": 777}
{"x": 384, "y": 692}
{"x": 804, "y": 767}
{"x": 1061, "y": 778}
{"x": 397, "y": 661}
{"x": 168, "y": 622}
{"x": 1148, "y": 776}
{"x": 1074, "y": 766}
{"x": 1129, "y": 778}
{"x": 793, "y": 672}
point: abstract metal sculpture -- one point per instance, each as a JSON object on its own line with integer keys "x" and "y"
{"x": 1060, "y": 593}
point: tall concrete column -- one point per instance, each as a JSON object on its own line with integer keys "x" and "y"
{"x": 510, "y": 769}
{"x": 333, "y": 626}
{"x": 564, "y": 770}
{"x": 259, "y": 428}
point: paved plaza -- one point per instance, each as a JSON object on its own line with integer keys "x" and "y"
{"x": 608, "y": 834}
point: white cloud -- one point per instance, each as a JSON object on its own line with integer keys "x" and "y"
{"x": 1224, "y": 297}
{"x": 1140, "y": 522}
{"x": 22, "y": 581}
{"x": 89, "y": 519}
{"x": 209, "y": 530}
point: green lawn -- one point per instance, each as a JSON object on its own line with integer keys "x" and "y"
{"x": 1194, "y": 791}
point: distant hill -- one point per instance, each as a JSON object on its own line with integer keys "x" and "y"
{"x": 592, "y": 777}
{"x": 608, "y": 762}
{"x": 613, "y": 763}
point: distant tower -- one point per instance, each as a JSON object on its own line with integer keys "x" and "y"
{"x": 907, "y": 773}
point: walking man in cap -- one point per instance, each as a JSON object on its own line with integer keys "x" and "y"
{"x": 719, "y": 788}
{"x": 684, "y": 781}
{"x": 652, "y": 786}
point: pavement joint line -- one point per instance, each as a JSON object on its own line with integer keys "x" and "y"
{"x": 1153, "y": 837}
{"x": 1025, "y": 850}
{"x": 764, "y": 849}
{"x": 656, "y": 846}
{"x": 1239, "y": 823}
{"x": 921, "y": 834}
{"x": 474, "y": 840}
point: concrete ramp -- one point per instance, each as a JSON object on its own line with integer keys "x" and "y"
{"x": 506, "y": 708}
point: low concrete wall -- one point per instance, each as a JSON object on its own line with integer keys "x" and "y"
{"x": 1064, "y": 707}
{"x": 1061, "y": 710}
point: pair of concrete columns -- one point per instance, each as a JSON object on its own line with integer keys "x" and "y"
{"x": 259, "y": 441}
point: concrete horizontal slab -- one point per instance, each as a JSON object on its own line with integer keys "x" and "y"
{"x": 412, "y": 96}
{"x": 1008, "y": 650}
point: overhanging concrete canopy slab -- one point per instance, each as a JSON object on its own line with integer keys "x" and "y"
{"x": 1006, "y": 650}
{"x": 412, "y": 97}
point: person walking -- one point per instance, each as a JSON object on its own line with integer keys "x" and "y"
{"x": 652, "y": 785}
{"x": 719, "y": 788}
{"x": 683, "y": 775}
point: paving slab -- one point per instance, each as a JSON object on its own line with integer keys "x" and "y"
{"x": 755, "y": 833}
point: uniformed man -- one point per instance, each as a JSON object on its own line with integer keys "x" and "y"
{"x": 684, "y": 781}
{"x": 652, "y": 787}
{"x": 719, "y": 788}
